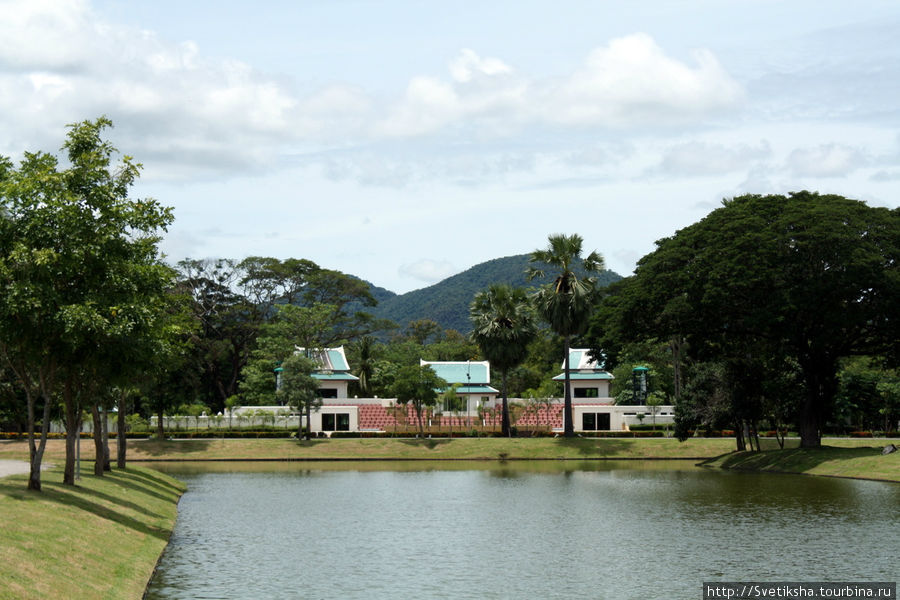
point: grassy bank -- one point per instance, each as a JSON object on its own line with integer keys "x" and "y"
{"x": 409, "y": 449}
{"x": 98, "y": 539}
{"x": 413, "y": 449}
{"x": 857, "y": 462}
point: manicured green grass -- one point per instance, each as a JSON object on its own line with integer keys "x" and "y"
{"x": 413, "y": 449}
{"x": 866, "y": 462}
{"x": 98, "y": 539}
{"x": 409, "y": 449}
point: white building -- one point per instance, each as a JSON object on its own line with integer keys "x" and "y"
{"x": 593, "y": 408}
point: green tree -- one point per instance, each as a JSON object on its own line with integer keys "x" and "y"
{"x": 803, "y": 279}
{"x": 299, "y": 389}
{"x": 566, "y": 303}
{"x": 417, "y": 384}
{"x": 503, "y": 325}
{"x": 452, "y": 402}
{"x": 364, "y": 356}
{"x": 79, "y": 262}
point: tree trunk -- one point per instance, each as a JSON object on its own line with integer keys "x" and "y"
{"x": 505, "y": 428}
{"x": 99, "y": 453}
{"x": 819, "y": 373}
{"x": 73, "y": 431}
{"x": 160, "y": 431}
{"x": 675, "y": 345}
{"x": 810, "y": 436}
{"x": 36, "y": 451}
{"x": 121, "y": 442}
{"x": 568, "y": 424}
{"x": 739, "y": 437}
{"x": 308, "y": 420}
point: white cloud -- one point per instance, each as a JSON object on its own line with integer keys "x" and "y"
{"x": 60, "y": 63}
{"x": 628, "y": 83}
{"x": 705, "y": 158}
{"x": 631, "y": 82}
{"x": 884, "y": 175}
{"x": 185, "y": 115}
{"x": 427, "y": 270}
{"x": 826, "y": 160}
{"x": 469, "y": 65}
{"x": 483, "y": 91}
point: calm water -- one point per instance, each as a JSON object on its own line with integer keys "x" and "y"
{"x": 536, "y": 530}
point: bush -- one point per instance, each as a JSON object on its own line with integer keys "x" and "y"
{"x": 651, "y": 427}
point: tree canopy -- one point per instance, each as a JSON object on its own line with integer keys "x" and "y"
{"x": 566, "y": 303}
{"x": 79, "y": 268}
{"x": 503, "y": 325}
{"x": 797, "y": 281}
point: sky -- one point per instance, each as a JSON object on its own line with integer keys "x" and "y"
{"x": 405, "y": 141}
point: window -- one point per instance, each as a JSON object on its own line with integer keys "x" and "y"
{"x": 343, "y": 421}
{"x": 587, "y": 392}
{"x": 589, "y": 421}
{"x": 595, "y": 421}
{"x": 327, "y": 392}
{"x": 336, "y": 422}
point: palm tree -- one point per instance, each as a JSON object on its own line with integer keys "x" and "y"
{"x": 503, "y": 326}
{"x": 366, "y": 364}
{"x": 566, "y": 303}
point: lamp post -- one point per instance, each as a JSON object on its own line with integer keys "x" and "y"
{"x": 278, "y": 370}
{"x": 468, "y": 389}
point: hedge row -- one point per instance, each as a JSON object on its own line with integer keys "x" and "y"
{"x": 12, "y": 435}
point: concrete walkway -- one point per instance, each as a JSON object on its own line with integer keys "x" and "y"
{"x": 13, "y": 467}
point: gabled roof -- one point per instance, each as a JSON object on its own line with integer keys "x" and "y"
{"x": 328, "y": 359}
{"x": 466, "y": 372}
{"x": 584, "y": 376}
{"x": 582, "y": 368}
{"x": 476, "y": 389}
{"x": 332, "y": 376}
{"x": 580, "y": 359}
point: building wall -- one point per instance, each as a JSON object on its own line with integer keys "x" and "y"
{"x": 317, "y": 417}
{"x": 621, "y": 417}
{"x": 602, "y": 386}
{"x": 340, "y": 386}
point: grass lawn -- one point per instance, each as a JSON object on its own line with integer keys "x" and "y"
{"x": 865, "y": 462}
{"x": 413, "y": 449}
{"x": 408, "y": 449}
{"x": 98, "y": 539}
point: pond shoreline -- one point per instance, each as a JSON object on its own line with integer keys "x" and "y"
{"x": 421, "y": 459}
{"x": 863, "y": 463}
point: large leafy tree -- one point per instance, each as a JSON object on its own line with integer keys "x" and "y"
{"x": 79, "y": 269}
{"x": 503, "y": 325}
{"x": 567, "y": 301}
{"x": 233, "y": 300}
{"x": 418, "y": 384}
{"x": 802, "y": 280}
{"x": 306, "y": 327}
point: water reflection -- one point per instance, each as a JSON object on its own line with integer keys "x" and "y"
{"x": 629, "y": 529}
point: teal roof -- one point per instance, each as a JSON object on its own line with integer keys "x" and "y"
{"x": 327, "y": 359}
{"x": 584, "y": 376}
{"x": 338, "y": 362}
{"x": 476, "y": 389}
{"x": 579, "y": 358}
{"x": 335, "y": 377}
{"x": 462, "y": 372}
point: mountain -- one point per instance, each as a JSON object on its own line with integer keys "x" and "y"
{"x": 447, "y": 302}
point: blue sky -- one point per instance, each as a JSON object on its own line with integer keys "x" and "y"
{"x": 406, "y": 141}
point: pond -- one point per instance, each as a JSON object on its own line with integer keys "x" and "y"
{"x": 630, "y": 529}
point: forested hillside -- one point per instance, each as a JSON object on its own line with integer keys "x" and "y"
{"x": 447, "y": 302}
